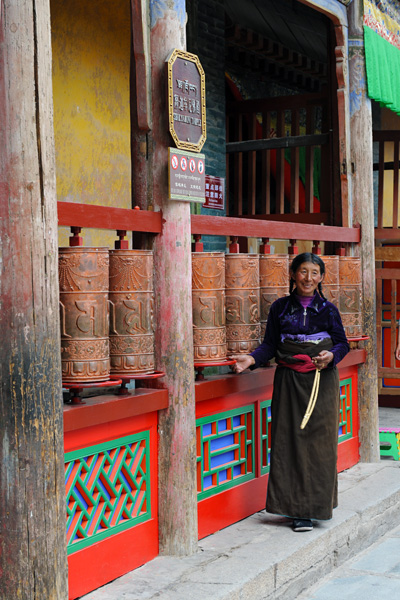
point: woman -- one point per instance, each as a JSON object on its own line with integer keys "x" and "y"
{"x": 305, "y": 335}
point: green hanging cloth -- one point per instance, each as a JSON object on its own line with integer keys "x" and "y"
{"x": 382, "y": 51}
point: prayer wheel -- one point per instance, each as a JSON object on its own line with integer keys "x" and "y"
{"x": 83, "y": 278}
{"x": 208, "y": 299}
{"x": 330, "y": 285}
{"x": 350, "y": 294}
{"x": 242, "y": 282}
{"x": 131, "y": 298}
{"x": 274, "y": 283}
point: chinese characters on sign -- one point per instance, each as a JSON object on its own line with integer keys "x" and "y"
{"x": 186, "y": 175}
{"x": 186, "y": 101}
{"x": 215, "y": 192}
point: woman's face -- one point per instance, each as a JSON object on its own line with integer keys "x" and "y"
{"x": 307, "y": 277}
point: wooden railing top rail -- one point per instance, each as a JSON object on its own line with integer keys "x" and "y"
{"x": 387, "y": 135}
{"x": 72, "y": 214}
{"x": 388, "y": 234}
{"x": 387, "y": 274}
{"x": 236, "y": 226}
{"x": 310, "y": 218}
{"x": 272, "y": 104}
{"x": 289, "y": 141}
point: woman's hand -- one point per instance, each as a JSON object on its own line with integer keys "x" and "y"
{"x": 322, "y": 360}
{"x": 243, "y": 362}
{"x": 397, "y": 353}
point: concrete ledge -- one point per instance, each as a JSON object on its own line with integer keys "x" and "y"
{"x": 260, "y": 558}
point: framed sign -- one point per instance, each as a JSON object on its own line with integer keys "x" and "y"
{"x": 186, "y": 175}
{"x": 186, "y": 101}
{"x": 215, "y": 192}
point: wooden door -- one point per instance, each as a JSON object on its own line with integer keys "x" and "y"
{"x": 387, "y": 257}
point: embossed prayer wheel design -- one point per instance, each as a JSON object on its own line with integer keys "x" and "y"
{"x": 330, "y": 285}
{"x": 208, "y": 299}
{"x": 274, "y": 283}
{"x": 242, "y": 282}
{"x": 83, "y": 277}
{"x": 350, "y": 294}
{"x": 131, "y": 312}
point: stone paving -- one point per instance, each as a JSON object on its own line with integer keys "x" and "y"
{"x": 260, "y": 558}
{"x": 374, "y": 574}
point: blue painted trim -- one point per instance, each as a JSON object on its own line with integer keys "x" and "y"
{"x": 158, "y": 8}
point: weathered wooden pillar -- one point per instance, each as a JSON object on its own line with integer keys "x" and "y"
{"x": 363, "y": 213}
{"x": 33, "y": 563}
{"x": 173, "y": 338}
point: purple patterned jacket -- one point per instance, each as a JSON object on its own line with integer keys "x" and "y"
{"x": 287, "y": 316}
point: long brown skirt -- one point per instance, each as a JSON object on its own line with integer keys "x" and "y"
{"x": 303, "y": 471}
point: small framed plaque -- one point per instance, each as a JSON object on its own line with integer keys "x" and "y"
{"x": 186, "y": 175}
{"x": 186, "y": 101}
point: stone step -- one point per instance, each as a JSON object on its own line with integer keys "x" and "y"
{"x": 261, "y": 558}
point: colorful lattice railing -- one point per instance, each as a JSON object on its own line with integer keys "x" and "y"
{"x": 107, "y": 488}
{"x": 345, "y": 410}
{"x": 225, "y": 450}
{"x": 265, "y": 435}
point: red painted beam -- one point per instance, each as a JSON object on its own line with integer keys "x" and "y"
{"x": 236, "y": 226}
{"x": 387, "y": 234}
{"x": 73, "y": 214}
{"x": 387, "y": 273}
{"x": 218, "y": 386}
{"x": 105, "y": 409}
{"x": 310, "y": 218}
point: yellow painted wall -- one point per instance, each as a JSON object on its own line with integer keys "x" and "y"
{"x": 91, "y": 62}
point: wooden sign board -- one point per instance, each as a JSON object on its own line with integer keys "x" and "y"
{"x": 186, "y": 175}
{"x": 186, "y": 101}
{"x": 215, "y": 192}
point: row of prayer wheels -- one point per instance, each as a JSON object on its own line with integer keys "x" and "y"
{"x": 106, "y": 313}
{"x": 107, "y": 306}
{"x": 232, "y": 295}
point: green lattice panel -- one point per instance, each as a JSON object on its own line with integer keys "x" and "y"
{"x": 107, "y": 489}
{"x": 225, "y": 450}
{"x": 265, "y": 435}
{"x": 346, "y": 412}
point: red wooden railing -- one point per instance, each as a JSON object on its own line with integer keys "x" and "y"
{"x": 73, "y": 214}
{"x": 78, "y": 216}
{"x": 237, "y": 226}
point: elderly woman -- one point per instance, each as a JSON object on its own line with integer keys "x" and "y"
{"x": 305, "y": 335}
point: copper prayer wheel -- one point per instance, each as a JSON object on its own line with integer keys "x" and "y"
{"x": 242, "y": 282}
{"x": 208, "y": 300}
{"x": 274, "y": 283}
{"x": 131, "y": 299}
{"x": 83, "y": 277}
{"x": 350, "y": 294}
{"x": 330, "y": 285}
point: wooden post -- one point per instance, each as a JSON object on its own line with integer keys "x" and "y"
{"x": 33, "y": 561}
{"x": 174, "y": 329}
{"x": 363, "y": 202}
{"x": 141, "y": 140}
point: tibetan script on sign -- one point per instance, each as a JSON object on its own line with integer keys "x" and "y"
{"x": 186, "y": 101}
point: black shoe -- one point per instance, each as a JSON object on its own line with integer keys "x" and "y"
{"x": 302, "y": 525}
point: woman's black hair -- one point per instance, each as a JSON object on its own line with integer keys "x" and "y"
{"x": 307, "y": 257}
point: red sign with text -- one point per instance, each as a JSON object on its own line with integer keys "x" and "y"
{"x": 215, "y": 192}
